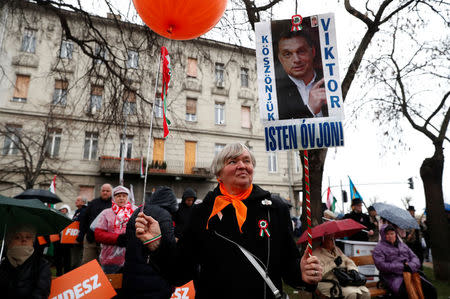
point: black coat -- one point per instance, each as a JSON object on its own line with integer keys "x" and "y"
{"x": 32, "y": 279}
{"x": 290, "y": 102}
{"x": 94, "y": 208}
{"x": 79, "y": 213}
{"x": 224, "y": 272}
{"x": 363, "y": 219}
{"x": 140, "y": 278}
{"x": 182, "y": 218}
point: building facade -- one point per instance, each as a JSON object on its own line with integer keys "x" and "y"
{"x": 77, "y": 104}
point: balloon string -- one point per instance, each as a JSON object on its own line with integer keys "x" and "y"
{"x": 308, "y": 202}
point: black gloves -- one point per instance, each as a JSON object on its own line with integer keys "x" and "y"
{"x": 406, "y": 268}
{"x": 338, "y": 261}
{"x": 80, "y": 238}
{"x": 122, "y": 240}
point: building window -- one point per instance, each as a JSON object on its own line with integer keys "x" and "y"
{"x": 90, "y": 146}
{"x": 133, "y": 59}
{"x": 127, "y": 144}
{"x": 29, "y": 41}
{"x": 220, "y": 82}
{"x": 129, "y": 106}
{"x": 219, "y": 113}
{"x": 100, "y": 53}
{"x": 244, "y": 77}
{"x": 66, "y": 49}
{"x": 192, "y": 67}
{"x": 21, "y": 88}
{"x": 95, "y": 102}
{"x": 272, "y": 162}
{"x": 218, "y": 147}
{"x": 298, "y": 162}
{"x": 53, "y": 143}
{"x": 60, "y": 94}
{"x": 12, "y": 140}
{"x": 158, "y": 108}
{"x": 191, "y": 109}
{"x": 245, "y": 117}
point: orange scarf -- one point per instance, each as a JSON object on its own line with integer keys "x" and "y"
{"x": 236, "y": 200}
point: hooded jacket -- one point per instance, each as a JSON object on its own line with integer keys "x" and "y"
{"x": 32, "y": 279}
{"x": 219, "y": 267}
{"x": 140, "y": 278}
{"x": 184, "y": 212}
{"x": 389, "y": 259}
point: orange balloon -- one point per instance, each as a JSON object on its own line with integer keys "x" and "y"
{"x": 180, "y": 19}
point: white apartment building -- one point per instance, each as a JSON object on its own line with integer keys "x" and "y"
{"x": 50, "y": 87}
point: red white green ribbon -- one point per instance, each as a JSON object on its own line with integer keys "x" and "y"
{"x": 263, "y": 228}
{"x": 308, "y": 202}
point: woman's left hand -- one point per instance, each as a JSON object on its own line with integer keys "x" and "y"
{"x": 311, "y": 269}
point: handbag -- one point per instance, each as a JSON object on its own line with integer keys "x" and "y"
{"x": 349, "y": 278}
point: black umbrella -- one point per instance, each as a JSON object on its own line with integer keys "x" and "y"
{"x": 41, "y": 194}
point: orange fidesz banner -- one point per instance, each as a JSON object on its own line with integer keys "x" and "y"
{"x": 87, "y": 281}
{"x": 70, "y": 233}
{"x": 186, "y": 291}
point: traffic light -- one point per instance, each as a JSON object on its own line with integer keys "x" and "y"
{"x": 410, "y": 183}
{"x": 344, "y": 196}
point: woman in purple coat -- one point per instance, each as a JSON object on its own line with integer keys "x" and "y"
{"x": 392, "y": 257}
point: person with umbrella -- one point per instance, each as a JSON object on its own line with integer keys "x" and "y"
{"x": 331, "y": 257}
{"x": 236, "y": 224}
{"x": 24, "y": 273}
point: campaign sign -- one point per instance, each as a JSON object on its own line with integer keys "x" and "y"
{"x": 299, "y": 88}
{"x": 87, "y": 281}
{"x": 186, "y": 291}
{"x": 70, "y": 233}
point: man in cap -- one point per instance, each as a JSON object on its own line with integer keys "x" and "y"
{"x": 364, "y": 219}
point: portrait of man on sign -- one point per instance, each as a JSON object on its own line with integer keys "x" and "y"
{"x": 298, "y": 71}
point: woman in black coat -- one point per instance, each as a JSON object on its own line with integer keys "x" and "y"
{"x": 24, "y": 273}
{"x": 235, "y": 212}
{"x": 140, "y": 277}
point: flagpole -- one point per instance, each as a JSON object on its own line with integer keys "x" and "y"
{"x": 150, "y": 130}
{"x": 122, "y": 154}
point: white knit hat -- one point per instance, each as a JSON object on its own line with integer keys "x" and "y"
{"x": 121, "y": 189}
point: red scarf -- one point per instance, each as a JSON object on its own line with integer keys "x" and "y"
{"x": 236, "y": 200}
{"x": 123, "y": 214}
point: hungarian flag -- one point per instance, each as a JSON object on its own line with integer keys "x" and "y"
{"x": 52, "y": 187}
{"x": 331, "y": 200}
{"x": 166, "y": 72}
{"x": 353, "y": 192}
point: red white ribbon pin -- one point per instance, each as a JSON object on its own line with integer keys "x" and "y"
{"x": 263, "y": 226}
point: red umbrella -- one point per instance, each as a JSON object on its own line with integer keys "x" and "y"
{"x": 340, "y": 229}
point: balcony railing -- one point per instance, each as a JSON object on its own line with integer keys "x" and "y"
{"x": 110, "y": 164}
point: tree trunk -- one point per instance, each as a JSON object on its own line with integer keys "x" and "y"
{"x": 316, "y": 164}
{"x": 438, "y": 224}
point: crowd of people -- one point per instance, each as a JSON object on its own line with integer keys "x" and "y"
{"x": 239, "y": 235}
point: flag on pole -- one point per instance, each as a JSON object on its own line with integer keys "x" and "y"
{"x": 353, "y": 192}
{"x": 52, "y": 187}
{"x": 331, "y": 200}
{"x": 142, "y": 168}
{"x": 166, "y": 72}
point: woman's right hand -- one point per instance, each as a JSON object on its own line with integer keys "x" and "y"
{"x": 146, "y": 229}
